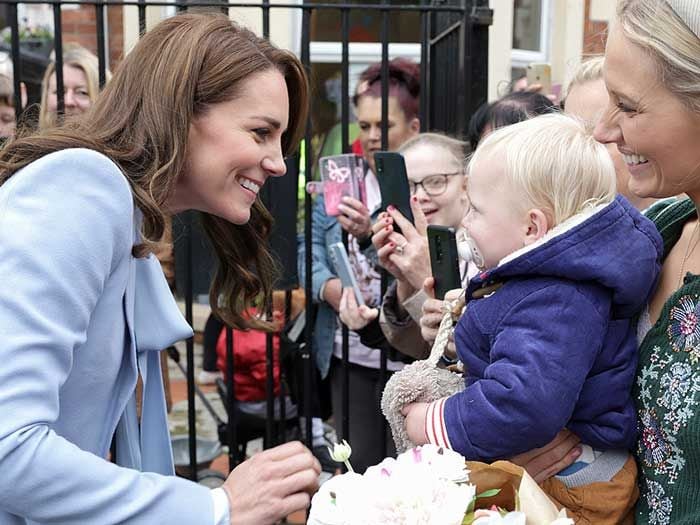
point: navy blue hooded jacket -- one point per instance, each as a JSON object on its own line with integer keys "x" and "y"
{"x": 555, "y": 346}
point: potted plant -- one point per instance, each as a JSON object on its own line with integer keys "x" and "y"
{"x": 34, "y": 39}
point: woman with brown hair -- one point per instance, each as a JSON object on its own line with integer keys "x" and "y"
{"x": 197, "y": 117}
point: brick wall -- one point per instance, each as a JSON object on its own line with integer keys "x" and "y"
{"x": 79, "y": 26}
{"x": 594, "y": 33}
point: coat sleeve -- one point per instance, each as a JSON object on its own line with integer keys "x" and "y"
{"x": 65, "y": 224}
{"x": 321, "y": 267}
{"x": 541, "y": 353}
{"x": 403, "y": 331}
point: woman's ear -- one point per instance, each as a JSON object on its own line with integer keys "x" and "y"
{"x": 414, "y": 125}
{"x": 537, "y": 226}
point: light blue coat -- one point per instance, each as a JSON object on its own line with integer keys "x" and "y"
{"x": 79, "y": 318}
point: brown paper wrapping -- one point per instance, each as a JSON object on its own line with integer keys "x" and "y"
{"x": 514, "y": 484}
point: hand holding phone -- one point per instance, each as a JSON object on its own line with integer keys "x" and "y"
{"x": 540, "y": 73}
{"x": 444, "y": 260}
{"x": 393, "y": 182}
{"x": 342, "y": 175}
{"x": 341, "y": 262}
{"x": 352, "y": 315}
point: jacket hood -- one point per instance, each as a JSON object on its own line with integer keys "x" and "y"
{"x": 613, "y": 245}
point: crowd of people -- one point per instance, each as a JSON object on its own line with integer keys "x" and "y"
{"x": 80, "y": 89}
{"x": 616, "y": 424}
{"x": 576, "y": 332}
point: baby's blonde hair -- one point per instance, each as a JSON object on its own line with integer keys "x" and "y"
{"x": 552, "y": 162}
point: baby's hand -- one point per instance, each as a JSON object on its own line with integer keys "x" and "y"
{"x": 451, "y": 349}
{"x": 415, "y": 414}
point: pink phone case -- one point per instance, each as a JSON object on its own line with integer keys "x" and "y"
{"x": 342, "y": 176}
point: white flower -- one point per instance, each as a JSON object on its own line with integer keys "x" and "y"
{"x": 341, "y": 453}
{"x": 337, "y": 500}
{"x": 417, "y": 488}
{"x": 442, "y": 462}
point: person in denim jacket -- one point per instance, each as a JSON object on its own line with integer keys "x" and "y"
{"x": 366, "y": 421}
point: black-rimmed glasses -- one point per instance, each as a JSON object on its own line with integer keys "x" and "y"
{"x": 432, "y": 185}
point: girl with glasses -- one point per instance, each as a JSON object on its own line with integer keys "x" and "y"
{"x": 435, "y": 169}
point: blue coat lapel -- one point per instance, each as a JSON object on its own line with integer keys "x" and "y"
{"x": 154, "y": 322}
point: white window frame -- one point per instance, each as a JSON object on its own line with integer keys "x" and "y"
{"x": 360, "y": 52}
{"x": 523, "y": 57}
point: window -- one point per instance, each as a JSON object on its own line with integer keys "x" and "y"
{"x": 531, "y": 27}
{"x": 364, "y": 49}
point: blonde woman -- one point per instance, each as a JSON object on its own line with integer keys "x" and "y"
{"x": 80, "y": 85}
{"x": 652, "y": 75}
{"x": 585, "y": 97}
{"x": 435, "y": 169}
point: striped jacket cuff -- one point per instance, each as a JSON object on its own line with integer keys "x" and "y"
{"x": 435, "y": 427}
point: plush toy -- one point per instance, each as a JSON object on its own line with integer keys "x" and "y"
{"x": 422, "y": 381}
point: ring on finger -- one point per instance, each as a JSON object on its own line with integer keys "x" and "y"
{"x": 399, "y": 249}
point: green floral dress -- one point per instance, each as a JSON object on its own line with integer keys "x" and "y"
{"x": 667, "y": 392}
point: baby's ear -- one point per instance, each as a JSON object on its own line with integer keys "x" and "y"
{"x": 538, "y": 225}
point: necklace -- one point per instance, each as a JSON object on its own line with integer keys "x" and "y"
{"x": 689, "y": 251}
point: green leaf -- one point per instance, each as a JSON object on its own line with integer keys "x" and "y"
{"x": 468, "y": 518}
{"x": 488, "y": 493}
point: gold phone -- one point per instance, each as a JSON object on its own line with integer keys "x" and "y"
{"x": 540, "y": 73}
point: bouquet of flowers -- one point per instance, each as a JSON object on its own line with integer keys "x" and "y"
{"x": 430, "y": 485}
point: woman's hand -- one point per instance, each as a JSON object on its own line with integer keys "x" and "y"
{"x": 272, "y": 484}
{"x": 537, "y": 88}
{"x": 332, "y": 292}
{"x": 416, "y": 414}
{"x": 353, "y": 316}
{"x": 355, "y": 218}
{"x": 432, "y": 312}
{"x": 543, "y": 463}
{"x": 405, "y": 255}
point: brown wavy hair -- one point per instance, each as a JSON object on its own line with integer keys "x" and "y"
{"x": 141, "y": 121}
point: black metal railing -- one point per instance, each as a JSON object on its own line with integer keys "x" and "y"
{"x": 453, "y": 54}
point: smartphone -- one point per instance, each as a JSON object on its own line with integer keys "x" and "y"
{"x": 540, "y": 73}
{"x": 393, "y": 182}
{"x": 341, "y": 262}
{"x": 444, "y": 260}
{"x": 341, "y": 175}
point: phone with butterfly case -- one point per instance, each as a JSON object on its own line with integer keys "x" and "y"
{"x": 342, "y": 176}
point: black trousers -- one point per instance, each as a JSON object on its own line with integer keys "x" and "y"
{"x": 366, "y": 421}
{"x": 212, "y": 329}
